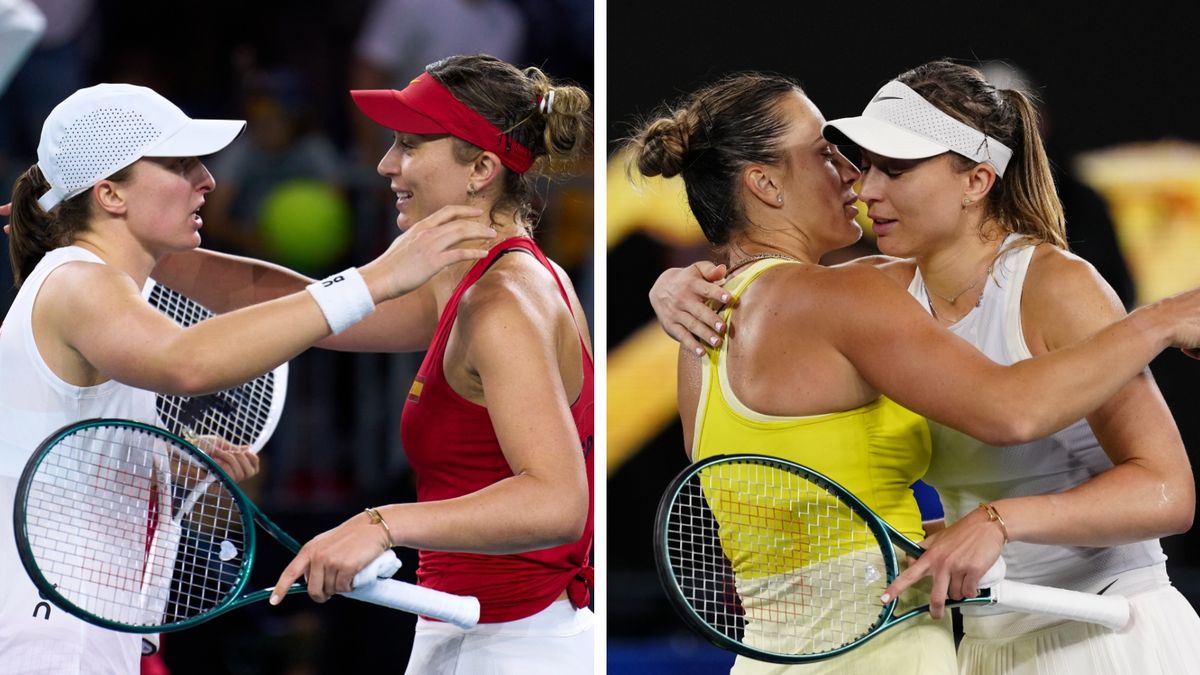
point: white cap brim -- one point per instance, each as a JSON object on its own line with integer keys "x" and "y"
{"x": 881, "y": 138}
{"x": 198, "y": 138}
{"x": 900, "y": 124}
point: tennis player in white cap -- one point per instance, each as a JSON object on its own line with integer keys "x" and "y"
{"x": 117, "y": 185}
{"x": 957, "y": 183}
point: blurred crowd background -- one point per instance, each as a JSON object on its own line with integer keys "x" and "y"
{"x": 1118, "y": 100}
{"x": 300, "y": 188}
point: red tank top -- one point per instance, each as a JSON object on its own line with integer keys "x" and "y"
{"x": 454, "y": 451}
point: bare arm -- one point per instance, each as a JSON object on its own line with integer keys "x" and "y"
{"x": 686, "y": 299}
{"x": 545, "y": 503}
{"x": 405, "y": 323}
{"x": 902, "y": 352}
{"x": 1148, "y": 493}
{"x": 99, "y": 321}
{"x": 224, "y": 283}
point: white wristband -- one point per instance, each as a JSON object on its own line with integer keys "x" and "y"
{"x": 344, "y": 299}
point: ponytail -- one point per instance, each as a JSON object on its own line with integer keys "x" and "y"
{"x": 31, "y": 234}
{"x": 1024, "y": 201}
{"x": 1029, "y": 199}
{"x": 34, "y": 231}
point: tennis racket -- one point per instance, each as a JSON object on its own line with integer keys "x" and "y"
{"x": 244, "y": 415}
{"x": 107, "y": 529}
{"x": 774, "y": 561}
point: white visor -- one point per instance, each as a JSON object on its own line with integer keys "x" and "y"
{"x": 899, "y": 124}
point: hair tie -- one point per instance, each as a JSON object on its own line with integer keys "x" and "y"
{"x": 546, "y": 103}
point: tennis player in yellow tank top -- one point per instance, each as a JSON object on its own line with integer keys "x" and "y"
{"x": 876, "y": 451}
{"x": 821, "y": 345}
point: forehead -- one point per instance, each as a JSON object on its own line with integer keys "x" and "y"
{"x": 805, "y": 118}
{"x": 876, "y": 158}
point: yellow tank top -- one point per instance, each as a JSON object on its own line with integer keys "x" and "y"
{"x": 875, "y": 451}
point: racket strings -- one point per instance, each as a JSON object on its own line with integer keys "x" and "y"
{"x": 773, "y": 560}
{"x": 105, "y": 528}
{"x": 238, "y": 415}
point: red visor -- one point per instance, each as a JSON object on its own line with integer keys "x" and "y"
{"x": 426, "y": 107}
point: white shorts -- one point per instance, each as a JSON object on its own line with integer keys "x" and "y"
{"x": 1164, "y": 637}
{"x": 555, "y": 641}
{"x": 38, "y": 637}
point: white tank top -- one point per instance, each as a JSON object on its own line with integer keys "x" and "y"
{"x": 34, "y": 402}
{"x": 966, "y": 471}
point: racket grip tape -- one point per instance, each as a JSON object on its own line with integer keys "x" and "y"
{"x": 1112, "y": 611}
{"x": 460, "y": 610}
{"x": 382, "y": 567}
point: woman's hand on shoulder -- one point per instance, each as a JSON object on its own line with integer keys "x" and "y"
{"x": 685, "y": 300}
{"x": 432, "y": 244}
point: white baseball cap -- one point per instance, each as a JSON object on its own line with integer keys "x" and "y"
{"x": 100, "y": 130}
{"x": 899, "y": 124}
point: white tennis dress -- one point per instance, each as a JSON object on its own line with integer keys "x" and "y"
{"x": 1165, "y": 635}
{"x": 36, "y": 636}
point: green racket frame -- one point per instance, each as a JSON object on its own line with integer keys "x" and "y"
{"x": 249, "y": 513}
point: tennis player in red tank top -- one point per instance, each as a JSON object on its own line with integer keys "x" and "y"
{"x": 498, "y": 425}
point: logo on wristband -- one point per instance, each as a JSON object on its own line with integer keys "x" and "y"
{"x": 332, "y": 280}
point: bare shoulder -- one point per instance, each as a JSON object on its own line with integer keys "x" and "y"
{"x": 516, "y": 296}
{"x": 799, "y": 291}
{"x": 79, "y": 285}
{"x": 899, "y": 270}
{"x": 1057, "y": 277}
{"x": 1065, "y": 299}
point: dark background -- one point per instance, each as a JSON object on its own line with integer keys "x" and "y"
{"x": 1109, "y": 73}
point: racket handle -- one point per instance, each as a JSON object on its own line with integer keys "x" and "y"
{"x": 382, "y": 567}
{"x": 460, "y": 610}
{"x": 1112, "y": 611}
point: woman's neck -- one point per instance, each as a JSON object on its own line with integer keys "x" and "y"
{"x": 759, "y": 245}
{"x": 504, "y": 223}
{"x": 117, "y": 248}
{"x": 955, "y": 274}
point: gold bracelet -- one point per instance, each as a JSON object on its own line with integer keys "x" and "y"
{"x": 373, "y": 514}
{"x": 993, "y": 517}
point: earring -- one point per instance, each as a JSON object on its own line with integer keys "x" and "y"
{"x": 966, "y": 201}
{"x": 779, "y": 199}
{"x": 471, "y": 191}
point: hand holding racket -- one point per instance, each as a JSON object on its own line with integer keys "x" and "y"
{"x": 132, "y": 528}
{"x": 330, "y": 561}
{"x": 777, "y": 562}
{"x": 961, "y": 559}
{"x": 239, "y": 462}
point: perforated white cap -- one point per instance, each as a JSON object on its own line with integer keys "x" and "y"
{"x": 898, "y": 123}
{"x": 100, "y": 130}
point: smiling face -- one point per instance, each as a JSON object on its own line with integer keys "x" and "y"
{"x": 913, "y": 203}
{"x": 818, "y": 181}
{"x": 425, "y": 175}
{"x": 164, "y": 195}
